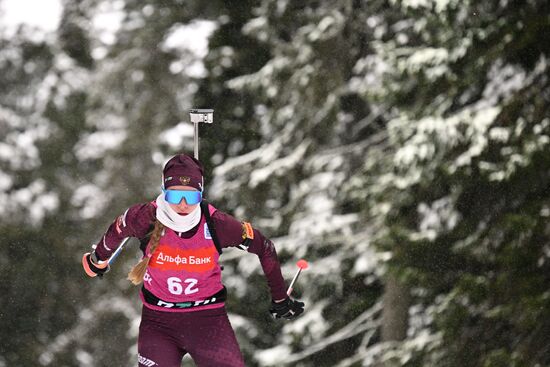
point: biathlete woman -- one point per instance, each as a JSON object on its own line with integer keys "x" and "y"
{"x": 183, "y": 296}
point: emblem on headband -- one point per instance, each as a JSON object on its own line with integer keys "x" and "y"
{"x": 185, "y": 180}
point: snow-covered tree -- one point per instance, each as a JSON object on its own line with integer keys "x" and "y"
{"x": 464, "y": 187}
{"x": 82, "y": 117}
{"x": 300, "y": 185}
{"x": 417, "y": 126}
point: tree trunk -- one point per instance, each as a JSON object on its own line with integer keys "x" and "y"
{"x": 395, "y": 313}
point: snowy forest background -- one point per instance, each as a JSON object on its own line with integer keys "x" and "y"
{"x": 401, "y": 146}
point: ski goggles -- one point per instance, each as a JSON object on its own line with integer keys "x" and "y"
{"x": 175, "y": 196}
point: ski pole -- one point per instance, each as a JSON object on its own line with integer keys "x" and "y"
{"x": 302, "y": 265}
{"x": 115, "y": 254}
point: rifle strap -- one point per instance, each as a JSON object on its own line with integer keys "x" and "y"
{"x": 211, "y": 227}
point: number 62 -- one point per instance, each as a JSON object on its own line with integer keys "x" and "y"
{"x": 175, "y": 286}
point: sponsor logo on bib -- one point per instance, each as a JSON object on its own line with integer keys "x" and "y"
{"x": 191, "y": 260}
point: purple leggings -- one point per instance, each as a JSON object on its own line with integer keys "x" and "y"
{"x": 165, "y": 337}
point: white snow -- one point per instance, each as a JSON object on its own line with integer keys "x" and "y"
{"x": 43, "y": 16}
{"x": 432, "y": 134}
{"x": 32, "y": 202}
{"x": 421, "y": 58}
{"x": 499, "y": 134}
{"x": 191, "y": 38}
{"x": 257, "y": 27}
{"x": 178, "y": 136}
{"x": 18, "y": 148}
{"x": 107, "y": 21}
{"x": 476, "y": 132}
{"x": 278, "y": 166}
{"x": 436, "y": 217}
{"x": 94, "y": 145}
{"x": 241, "y": 323}
{"x": 87, "y": 317}
{"x": 440, "y": 5}
{"x": 280, "y": 355}
{"x": 503, "y": 81}
{"x": 327, "y": 28}
{"x": 275, "y": 356}
{"x": 6, "y": 181}
{"x": 366, "y": 262}
{"x": 89, "y": 199}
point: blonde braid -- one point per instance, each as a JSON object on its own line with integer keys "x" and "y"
{"x": 138, "y": 271}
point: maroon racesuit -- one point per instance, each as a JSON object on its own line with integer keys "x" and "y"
{"x": 169, "y": 329}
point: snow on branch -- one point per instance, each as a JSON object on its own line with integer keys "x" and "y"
{"x": 364, "y": 322}
{"x": 87, "y": 317}
{"x": 279, "y": 166}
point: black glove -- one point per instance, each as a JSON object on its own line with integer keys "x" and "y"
{"x": 92, "y": 267}
{"x": 288, "y": 309}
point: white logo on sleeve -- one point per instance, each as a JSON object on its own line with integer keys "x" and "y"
{"x": 146, "y": 361}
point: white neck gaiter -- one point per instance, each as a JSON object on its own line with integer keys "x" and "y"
{"x": 179, "y": 223}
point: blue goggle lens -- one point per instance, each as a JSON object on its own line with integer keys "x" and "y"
{"x": 175, "y": 196}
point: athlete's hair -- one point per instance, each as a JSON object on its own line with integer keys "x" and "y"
{"x": 138, "y": 271}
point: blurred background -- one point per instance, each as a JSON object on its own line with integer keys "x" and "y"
{"x": 401, "y": 146}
